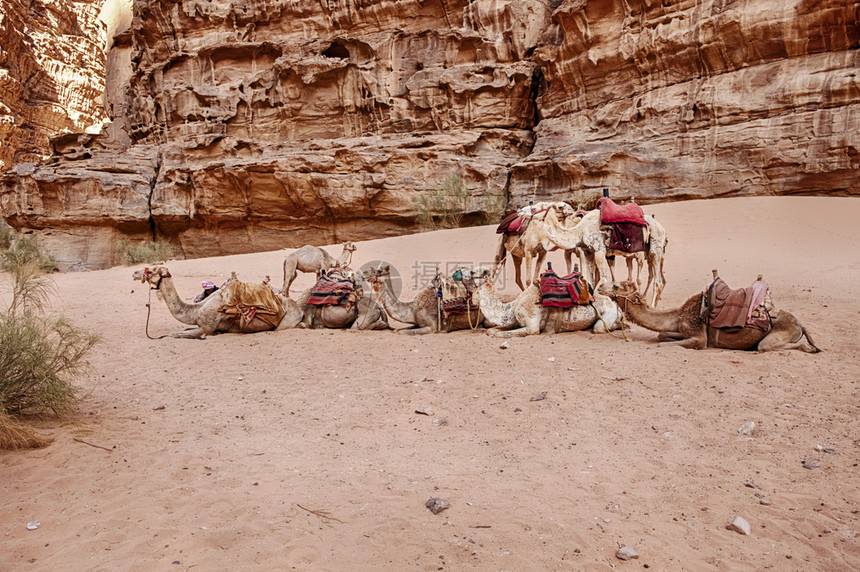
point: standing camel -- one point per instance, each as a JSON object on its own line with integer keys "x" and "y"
{"x": 585, "y": 238}
{"x": 655, "y": 250}
{"x": 422, "y": 312}
{"x": 530, "y": 246}
{"x": 526, "y": 316}
{"x": 688, "y": 327}
{"x": 209, "y": 318}
{"x": 313, "y": 259}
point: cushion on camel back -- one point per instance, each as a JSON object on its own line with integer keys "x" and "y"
{"x": 512, "y": 224}
{"x": 333, "y": 289}
{"x": 730, "y": 308}
{"x": 248, "y": 301}
{"x": 456, "y": 298}
{"x": 564, "y": 291}
{"x": 611, "y": 212}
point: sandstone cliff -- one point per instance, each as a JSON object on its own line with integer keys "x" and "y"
{"x": 241, "y": 126}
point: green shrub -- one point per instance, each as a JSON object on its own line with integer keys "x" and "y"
{"x": 443, "y": 207}
{"x": 146, "y": 252}
{"x": 40, "y": 354}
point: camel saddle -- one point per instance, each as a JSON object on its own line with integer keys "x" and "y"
{"x": 564, "y": 291}
{"x": 246, "y": 301}
{"x": 333, "y": 289}
{"x": 513, "y": 224}
{"x": 728, "y": 308}
{"x": 623, "y": 224}
{"x": 456, "y": 297}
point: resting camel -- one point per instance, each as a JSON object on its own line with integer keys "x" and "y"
{"x": 531, "y": 245}
{"x": 686, "y": 327}
{"x": 421, "y": 312}
{"x": 207, "y": 316}
{"x": 525, "y": 316}
{"x": 313, "y": 259}
{"x": 366, "y": 314}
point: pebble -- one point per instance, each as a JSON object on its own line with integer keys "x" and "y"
{"x": 437, "y": 505}
{"x": 505, "y": 345}
{"x": 424, "y": 410}
{"x": 550, "y": 359}
{"x": 811, "y": 465}
{"x": 747, "y": 428}
{"x": 626, "y": 553}
{"x": 33, "y": 525}
{"x": 538, "y": 396}
{"x": 739, "y": 525}
{"x": 439, "y": 421}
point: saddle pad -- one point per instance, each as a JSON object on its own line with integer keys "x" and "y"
{"x": 563, "y": 292}
{"x": 610, "y": 212}
{"x": 248, "y": 301}
{"x": 330, "y": 291}
{"x": 737, "y": 308}
{"x": 506, "y": 222}
{"x": 626, "y": 237}
{"x": 456, "y": 298}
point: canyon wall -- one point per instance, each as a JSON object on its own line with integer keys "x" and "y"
{"x": 248, "y": 126}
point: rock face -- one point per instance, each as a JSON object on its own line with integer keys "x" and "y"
{"x": 247, "y": 126}
{"x": 52, "y": 74}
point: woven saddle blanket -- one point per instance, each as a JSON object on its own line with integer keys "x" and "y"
{"x": 333, "y": 289}
{"x": 456, "y": 298}
{"x": 513, "y": 224}
{"x": 611, "y": 212}
{"x": 741, "y": 307}
{"x": 246, "y": 301}
{"x": 564, "y": 291}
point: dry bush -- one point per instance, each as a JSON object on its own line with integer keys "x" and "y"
{"x": 147, "y": 252}
{"x": 443, "y": 207}
{"x": 40, "y": 353}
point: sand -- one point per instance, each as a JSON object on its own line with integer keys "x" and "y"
{"x": 303, "y": 450}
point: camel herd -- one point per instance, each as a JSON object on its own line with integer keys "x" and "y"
{"x": 247, "y": 308}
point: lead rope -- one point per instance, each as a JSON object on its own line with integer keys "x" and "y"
{"x": 148, "y": 310}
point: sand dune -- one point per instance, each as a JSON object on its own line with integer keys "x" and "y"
{"x": 302, "y": 450}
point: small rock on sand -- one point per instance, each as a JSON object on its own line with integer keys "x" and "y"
{"x": 747, "y": 428}
{"x": 739, "y": 525}
{"x": 626, "y": 553}
{"x": 437, "y": 505}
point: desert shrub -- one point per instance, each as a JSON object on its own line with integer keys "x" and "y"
{"x": 40, "y": 353}
{"x": 444, "y": 206}
{"x": 6, "y": 234}
{"x": 146, "y": 252}
{"x": 493, "y": 206}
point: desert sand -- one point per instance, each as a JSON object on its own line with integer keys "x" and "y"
{"x": 303, "y": 450}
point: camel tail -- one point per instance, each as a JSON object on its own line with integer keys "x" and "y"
{"x": 815, "y": 348}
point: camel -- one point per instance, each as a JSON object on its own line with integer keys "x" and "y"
{"x": 525, "y": 316}
{"x": 655, "y": 250}
{"x": 422, "y": 312}
{"x": 207, "y": 317}
{"x": 313, "y": 259}
{"x": 584, "y": 238}
{"x": 531, "y": 245}
{"x": 687, "y": 327}
{"x": 366, "y": 314}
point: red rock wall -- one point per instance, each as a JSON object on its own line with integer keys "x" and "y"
{"x": 52, "y": 73}
{"x": 262, "y": 125}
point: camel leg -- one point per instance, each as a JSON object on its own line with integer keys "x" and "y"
{"x": 515, "y": 333}
{"x": 538, "y": 266}
{"x": 415, "y": 331}
{"x": 691, "y": 343}
{"x": 610, "y": 261}
{"x": 781, "y": 339}
{"x": 568, "y": 260}
{"x": 518, "y": 263}
{"x": 665, "y": 336}
{"x": 602, "y": 269}
{"x": 190, "y": 334}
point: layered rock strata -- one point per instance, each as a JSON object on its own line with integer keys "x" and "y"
{"x": 241, "y": 127}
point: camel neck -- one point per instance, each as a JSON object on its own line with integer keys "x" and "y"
{"x": 649, "y": 318}
{"x": 491, "y": 306}
{"x": 181, "y": 310}
{"x": 396, "y": 309}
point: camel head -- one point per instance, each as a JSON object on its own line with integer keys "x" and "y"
{"x": 349, "y": 247}
{"x": 375, "y": 276}
{"x": 152, "y": 275}
{"x": 622, "y": 291}
{"x": 477, "y": 277}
